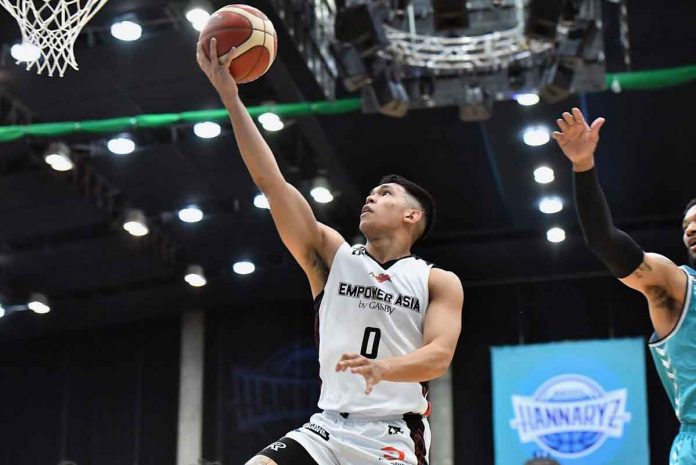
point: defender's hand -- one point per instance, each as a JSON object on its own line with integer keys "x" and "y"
{"x": 372, "y": 370}
{"x": 218, "y": 72}
{"x": 578, "y": 140}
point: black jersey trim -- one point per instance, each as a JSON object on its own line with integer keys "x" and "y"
{"x": 317, "y": 304}
{"x": 388, "y": 264}
{"x": 417, "y": 430}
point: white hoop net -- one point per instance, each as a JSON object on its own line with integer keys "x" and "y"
{"x": 53, "y": 27}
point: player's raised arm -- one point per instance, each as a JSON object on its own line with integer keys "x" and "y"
{"x": 311, "y": 243}
{"x": 660, "y": 280}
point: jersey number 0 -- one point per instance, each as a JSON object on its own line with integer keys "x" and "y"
{"x": 370, "y": 343}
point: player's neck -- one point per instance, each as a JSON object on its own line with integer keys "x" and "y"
{"x": 385, "y": 249}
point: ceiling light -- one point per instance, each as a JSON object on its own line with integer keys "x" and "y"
{"x": 271, "y": 122}
{"x": 121, "y": 145}
{"x": 59, "y": 162}
{"x": 58, "y": 157}
{"x": 194, "y": 276}
{"x": 260, "y": 201}
{"x": 536, "y": 135}
{"x": 135, "y": 223}
{"x": 126, "y": 30}
{"x": 198, "y": 17}
{"x": 543, "y": 175}
{"x": 320, "y": 191}
{"x": 527, "y": 99}
{"x": 274, "y": 126}
{"x": 555, "y": 235}
{"x": 38, "y": 303}
{"x": 550, "y": 205}
{"x": 206, "y": 130}
{"x": 321, "y": 195}
{"x": 199, "y": 25}
{"x": 268, "y": 117}
{"x": 2, "y": 311}
{"x": 25, "y": 52}
{"x": 244, "y": 267}
{"x": 190, "y": 214}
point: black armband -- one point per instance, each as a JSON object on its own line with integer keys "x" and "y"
{"x": 614, "y": 247}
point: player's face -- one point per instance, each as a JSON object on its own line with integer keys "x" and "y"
{"x": 384, "y": 209}
{"x": 689, "y": 238}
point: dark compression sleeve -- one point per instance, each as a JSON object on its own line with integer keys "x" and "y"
{"x": 614, "y": 247}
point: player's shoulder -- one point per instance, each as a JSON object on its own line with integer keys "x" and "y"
{"x": 440, "y": 273}
{"x": 441, "y": 278}
{"x": 689, "y": 270}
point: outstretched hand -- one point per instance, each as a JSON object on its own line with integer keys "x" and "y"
{"x": 578, "y": 140}
{"x": 218, "y": 72}
{"x": 371, "y": 370}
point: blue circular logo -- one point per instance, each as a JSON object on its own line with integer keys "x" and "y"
{"x": 567, "y": 389}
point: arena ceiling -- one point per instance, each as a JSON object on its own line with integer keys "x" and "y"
{"x": 58, "y": 237}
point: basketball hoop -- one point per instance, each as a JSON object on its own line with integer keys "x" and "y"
{"x": 53, "y": 27}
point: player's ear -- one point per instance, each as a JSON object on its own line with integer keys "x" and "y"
{"x": 413, "y": 215}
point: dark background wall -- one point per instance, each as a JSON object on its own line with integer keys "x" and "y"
{"x": 262, "y": 377}
{"x": 105, "y": 396}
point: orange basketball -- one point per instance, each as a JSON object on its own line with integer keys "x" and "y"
{"x": 249, "y": 30}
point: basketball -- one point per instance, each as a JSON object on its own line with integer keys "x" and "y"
{"x": 247, "y": 29}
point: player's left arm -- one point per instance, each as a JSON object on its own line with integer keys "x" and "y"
{"x": 441, "y": 328}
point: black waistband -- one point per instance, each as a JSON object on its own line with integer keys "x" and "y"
{"x": 347, "y": 415}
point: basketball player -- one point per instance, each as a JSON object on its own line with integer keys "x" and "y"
{"x": 668, "y": 288}
{"x": 387, "y": 320}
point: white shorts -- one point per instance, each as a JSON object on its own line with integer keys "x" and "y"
{"x": 333, "y": 440}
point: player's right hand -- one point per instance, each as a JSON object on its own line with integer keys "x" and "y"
{"x": 578, "y": 140}
{"x": 218, "y": 73}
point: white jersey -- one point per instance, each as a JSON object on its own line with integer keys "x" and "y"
{"x": 377, "y": 312}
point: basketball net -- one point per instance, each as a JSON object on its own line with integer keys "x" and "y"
{"x": 53, "y": 27}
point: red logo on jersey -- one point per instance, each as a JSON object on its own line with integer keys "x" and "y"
{"x": 392, "y": 453}
{"x": 382, "y": 277}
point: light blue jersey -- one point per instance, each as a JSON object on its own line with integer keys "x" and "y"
{"x": 675, "y": 360}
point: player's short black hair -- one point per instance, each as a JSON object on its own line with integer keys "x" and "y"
{"x": 691, "y": 203}
{"x": 421, "y": 195}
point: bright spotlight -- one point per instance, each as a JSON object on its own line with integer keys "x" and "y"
{"x": 126, "y": 30}
{"x": 121, "y": 145}
{"x": 207, "y": 129}
{"x": 190, "y": 214}
{"x": 271, "y": 122}
{"x": 550, "y": 205}
{"x": 244, "y": 267}
{"x": 57, "y": 156}
{"x": 38, "y": 303}
{"x": 555, "y": 235}
{"x": 198, "y": 17}
{"x": 135, "y": 223}
{"x": 527, "y": 99}
{"x": 194, "y": 276}
{"x": 543, "y": 175}
{"x": 25, "y": 52}
{"x": 260, "y": 201}
{"x": 321, "y": 195}
{"x": 536, "y": 136}
{"x": 321, "y": 192}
